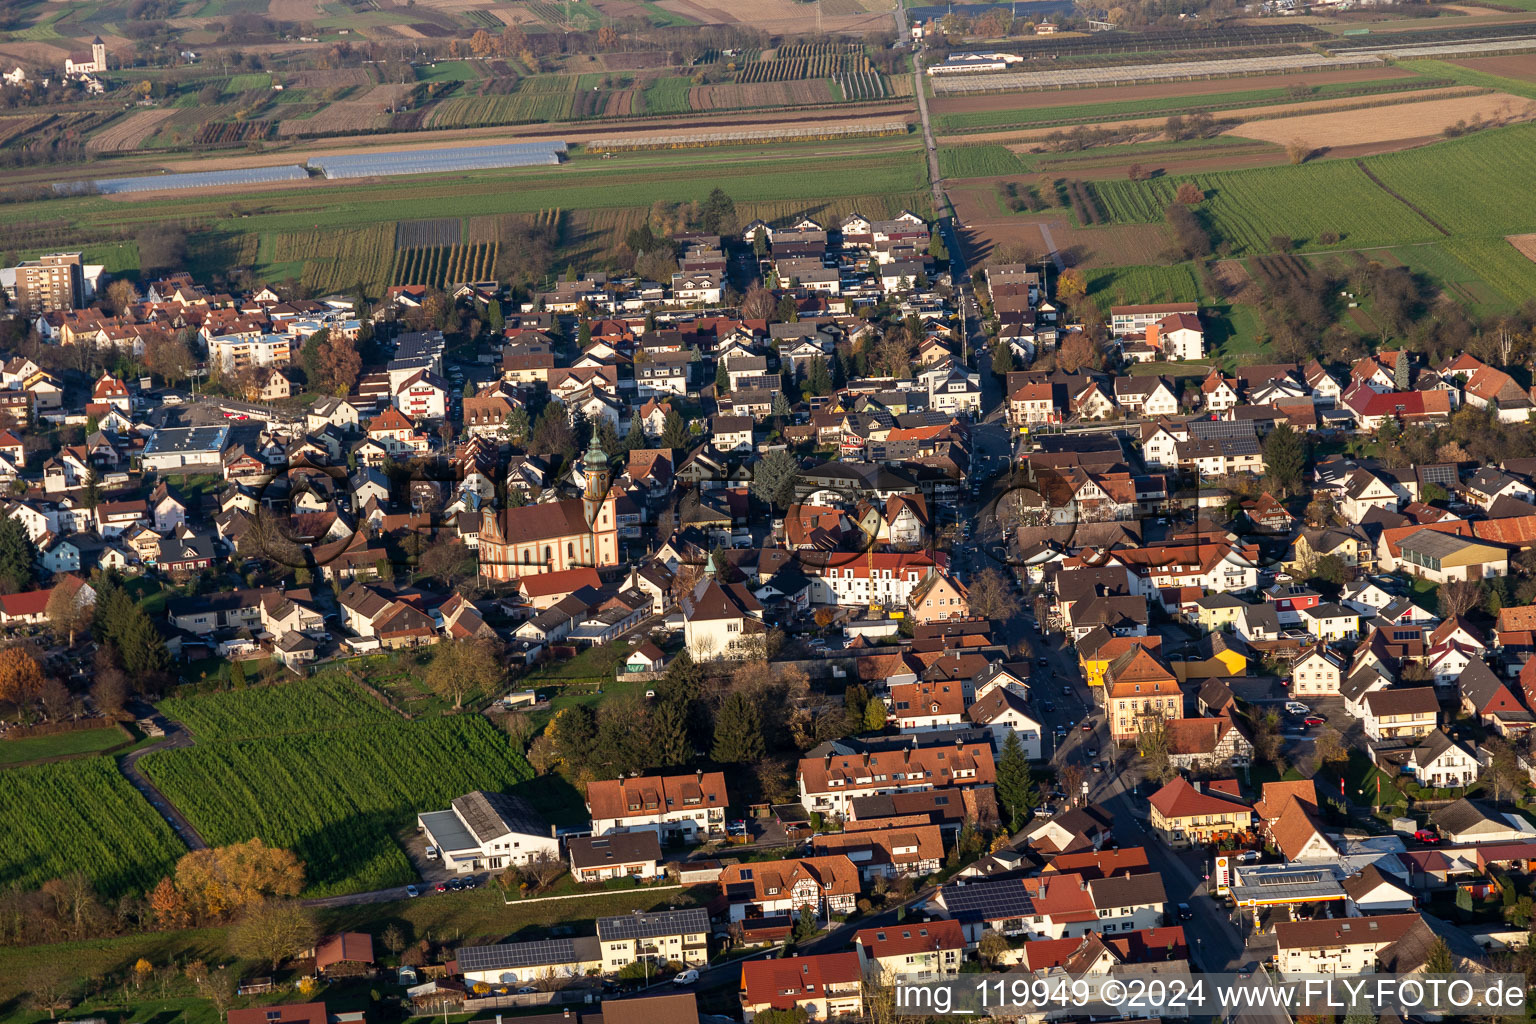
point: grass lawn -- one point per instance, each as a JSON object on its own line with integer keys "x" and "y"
{"x": 61, "y": 745}
{"x": 1234, "y": 337}
{"x": 483, "y": 915}
{"x": 596, "y": 662}
{"x": 72, "y": 962}
{"x": 148, "y": 594}
{"x": 447, "y": 71}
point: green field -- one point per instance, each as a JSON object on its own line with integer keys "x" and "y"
{"x": 1483, "y": 184}
{"x": 1470, "y": 76}
{"x": 327, "y": 701}
{"x": 81, "y": 816}
{"x": 1449, "y": 182}
{"x": 247, "y": 83}
{"x": 668, "y": 95}
{"x": 64, "y": 744}
{"x": 338, "y": 797}
{"x": 334, "y": 227}
{"x": 1114, "y": 286}
{"x": 1025, "y": 116}
{"x": 1246, "y": 208}
{"x": 978, "y": 162}
{"x": 447, "y": 71}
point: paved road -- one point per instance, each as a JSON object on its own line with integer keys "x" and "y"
{"x": 176, "y": 736}
{"x": 1045, "y": 235}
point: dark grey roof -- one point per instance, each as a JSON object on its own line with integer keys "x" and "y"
{"x": 648, "y": 926}
{"x": 544, "y": 953}
{"x": 491, "y": 815}
{"x": 619, "y": 848}
{"x": 987, "y": 901}
{"x": 1463, "y": 815}
{"x": 1127, "y": 890}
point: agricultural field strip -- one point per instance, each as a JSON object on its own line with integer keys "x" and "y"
{"x": 830, "y": 131}
{"x": 1448, "y": 182}
{"x": 336, "y": 797}
{"x": 1013, "y": 81}
{"x": 1279, "y": 112}
{"x": 600, "y": 184}
{"x": 83, "y": 816}
{"x": 971, "y": 122}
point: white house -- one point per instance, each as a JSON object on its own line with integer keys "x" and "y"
{"x": 1317, "y": 673}
{"x": 1337, "y": 946}
{"x": 1006, "y": 711}
{"x": 686, "y": 807}
{"x": 488, "y": 831}
{"x": 1370, "y": 892}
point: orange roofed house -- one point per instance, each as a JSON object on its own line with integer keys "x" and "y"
{"x": 1289, "y": 815}
{"x": 887, "y": 852}
{"x": 823, "y": 986}
{"x": 1139, "y": 685}
{"x": 285, "y": 1013}
{"x": 1183, "y": 815}
{"x": 782, "y": 888}
{"x": 919, "y": 947}
{"x": 679, "y": 807}
{"x": 828, "y": 785}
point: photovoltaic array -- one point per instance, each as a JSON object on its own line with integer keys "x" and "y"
{"x": 195, "y": 179}
{"x": 436, "y": 161}
{"x": 518, "y": 954}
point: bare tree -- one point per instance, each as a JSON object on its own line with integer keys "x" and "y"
{"x": 991, "y": 597}
{"x": 273, "y": 931}
{"x": 1459, "y": 597}
{"x": 46, "y": 992}
{"x": 544, "y": 871}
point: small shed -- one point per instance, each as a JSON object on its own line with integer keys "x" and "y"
{"x": 646, "y": 658}
{"x": 348, "y": 954}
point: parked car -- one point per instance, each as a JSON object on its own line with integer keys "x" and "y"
{"x": 1313, "y": 720}
{"x": 1043, "y": 661}
{"x": 441, "y": 887}
{"x": 1296, "y": 707}
{"x": 431, "y": 853}
{"x": 412, "y": 891}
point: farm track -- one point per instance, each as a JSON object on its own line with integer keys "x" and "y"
{"x": 1399, "y": 197}
{"x": 177, "y": 737}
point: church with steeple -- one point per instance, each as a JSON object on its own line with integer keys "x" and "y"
{"x": 77, "y": 64}
{"x": 554, "y": 536}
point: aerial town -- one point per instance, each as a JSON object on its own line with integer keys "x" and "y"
{"x": 485, "y": 539}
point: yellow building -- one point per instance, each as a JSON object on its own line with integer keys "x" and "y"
{"x": 1099, "y": 648}
{"x": 1212, "y": 658}
{"x": 1183, "y": 815}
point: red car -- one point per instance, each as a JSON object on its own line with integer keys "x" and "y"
{"x": 442, "y": 887}
{"x": 1426, "y": 837}
{"x": 1312, "y": 720}
{"x": 1087, "y": 726}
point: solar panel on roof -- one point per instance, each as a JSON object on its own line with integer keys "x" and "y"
{"x": 646, "y": 926}
{"x": 517, "y": 954}
{"x": 988, "y": 902}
